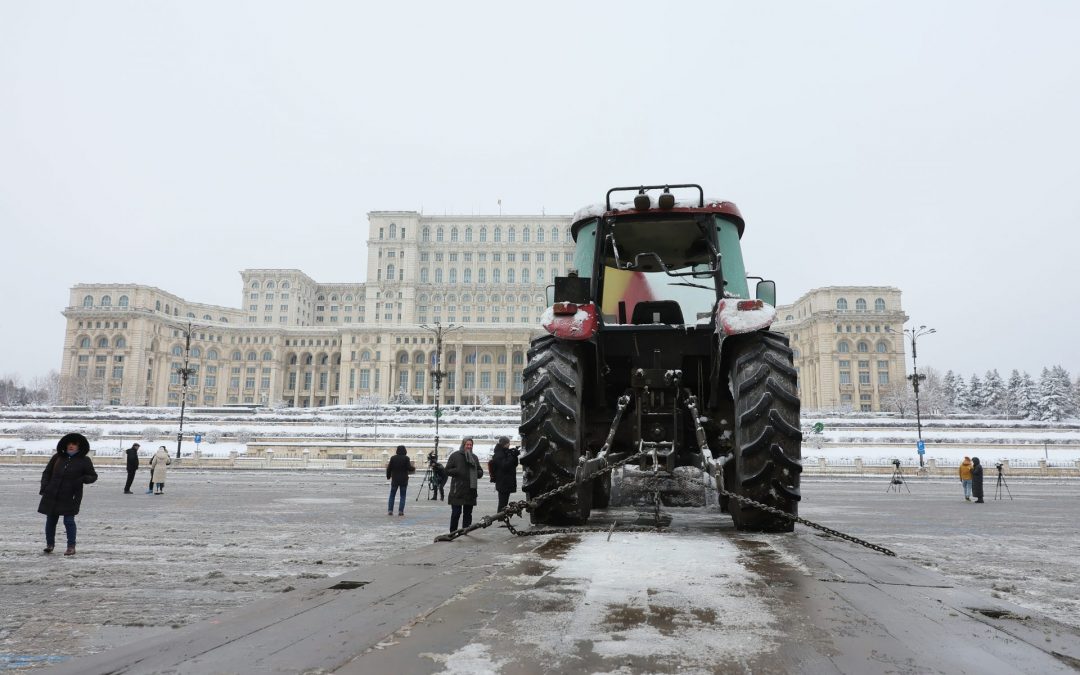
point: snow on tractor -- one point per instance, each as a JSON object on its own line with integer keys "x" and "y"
{"x": 655, "y": 350}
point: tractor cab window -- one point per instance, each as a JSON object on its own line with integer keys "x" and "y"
{"x": 658, "y": 272}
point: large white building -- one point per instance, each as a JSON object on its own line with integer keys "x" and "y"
{"x": 305, "y": 343}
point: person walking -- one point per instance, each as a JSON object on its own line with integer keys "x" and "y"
{"x": 397, "y": 472}
{"x": 965, "y": 477}
{"x": 977, "y": 480}
{"x": 62, "y": 488}
{"x": 465, "y": 473}
{"x": 503, "y": 465}
{"x": 132, "y": 467}
{"x": 158, "y": 464}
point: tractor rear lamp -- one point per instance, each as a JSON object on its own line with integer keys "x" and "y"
{"x": 642, "y": 202}
{"x": 748, "y": 305}
{"x": 667, "y": 200}
{"x": 564, "y": 309}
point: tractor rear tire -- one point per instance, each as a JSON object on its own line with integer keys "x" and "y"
{"x": 768, "y": 441}
{"x": 552, "y": 430}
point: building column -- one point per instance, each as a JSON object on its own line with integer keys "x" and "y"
{"x": 459, "y": 360}
{"x": 509, "y": 367}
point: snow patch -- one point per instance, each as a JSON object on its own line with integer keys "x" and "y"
{"x": 471, "y": 659}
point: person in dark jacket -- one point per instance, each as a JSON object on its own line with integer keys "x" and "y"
{"x": 132, "y": 467}
{"x": 977, "y": 480}
{"x": 503, "y": 465}
{"x": 465, "y": 472}
{"x": 397, "y": 472}
{"x": 62, "y": 488}
{"x": 438, "y": 476}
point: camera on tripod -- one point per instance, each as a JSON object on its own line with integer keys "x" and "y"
{"x": 896, "y": 463}
{"x": 432, "y": 458}
{"x": 999, "y": 466}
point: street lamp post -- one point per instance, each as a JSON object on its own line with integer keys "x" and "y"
{"x": 185, "y": 372}
{"x": 437, "y": 374}
{"x": 914, "y": 334}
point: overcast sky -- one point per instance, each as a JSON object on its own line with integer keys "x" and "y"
{"x": 925, "y": 145}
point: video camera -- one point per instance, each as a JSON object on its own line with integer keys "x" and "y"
{"x": 999, "y": 466}
{"x": 896, "y": 463}
{"x": 432, "y": 458}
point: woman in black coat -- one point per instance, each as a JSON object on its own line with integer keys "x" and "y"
{"x": 503, "y": 465}
{"x": 977, "y": 480}
{"x": 397, "y": 472}
{"x": 465, "y": 471}
{"x": 62, "y": 488}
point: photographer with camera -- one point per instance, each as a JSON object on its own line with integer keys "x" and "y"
{"x": 503, "y": 470}
{"x": 438, "y": 476}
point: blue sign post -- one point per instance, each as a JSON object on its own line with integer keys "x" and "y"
{"x": 198, "y": 439}
{"x": 920, "y": 445}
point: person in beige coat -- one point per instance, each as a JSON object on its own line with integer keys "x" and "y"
{"x": 158, "y": 464}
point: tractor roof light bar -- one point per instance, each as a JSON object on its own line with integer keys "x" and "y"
{"x": 667, "y": 200}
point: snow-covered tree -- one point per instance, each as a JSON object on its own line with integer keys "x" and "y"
{"x": 1027, "y": 400}
{"x": 949, "y": 390}
{"x": 973, "y": 395}
{"x": 993, "y": 392}
{"x": 932, "y": 400}
{"x": 897, "y": 396}
{"x": 1055, "y": 394}
{"x": 1010, "y": 404}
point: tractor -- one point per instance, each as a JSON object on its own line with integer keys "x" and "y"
{"x": 653, "y": 348}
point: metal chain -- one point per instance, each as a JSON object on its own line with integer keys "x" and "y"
{"x": 516, "y": 509}
{"x": 784, "y": 514}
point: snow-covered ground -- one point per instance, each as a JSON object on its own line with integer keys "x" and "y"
{"x": 218, "y": 540}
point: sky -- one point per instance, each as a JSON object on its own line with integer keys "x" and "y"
{"x": 930, "y": 146}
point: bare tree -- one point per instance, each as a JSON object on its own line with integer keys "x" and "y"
{"x": 898, "y": 397}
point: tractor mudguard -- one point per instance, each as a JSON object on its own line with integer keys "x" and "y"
{"x": 735, "y": 316}
{"x": 573, "y": 322}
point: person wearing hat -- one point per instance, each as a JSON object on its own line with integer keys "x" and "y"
{"x": 503, "y": 470}
{"x": 132, "y": 467}
{"x": 62, "y": 488}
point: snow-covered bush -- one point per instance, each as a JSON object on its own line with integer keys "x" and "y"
{"x": 151, "y": 433}
{"x": 33, "y": 432}
{"x": 212, "y": 436}
{"x": 93, "y": 433}
{"x": 243, "y": 435}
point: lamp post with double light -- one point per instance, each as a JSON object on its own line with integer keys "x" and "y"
{"x": 914, "y": 334}
{"x": 185, "y": 372}
{"x": 437, "y": 373}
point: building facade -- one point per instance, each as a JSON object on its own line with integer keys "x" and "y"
{"x": 298, "y": 342}
{"x": 304, "y": 343}
{"x": 848, "y": 345}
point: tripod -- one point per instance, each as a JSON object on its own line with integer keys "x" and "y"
{"x": 430, "y": 483}
{"x": 1001, "y": 483}
{"x": 897, "y": 480}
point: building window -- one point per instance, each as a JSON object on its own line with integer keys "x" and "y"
{"x": 879, "y": 305}
{"x": 88, "y": 301}
{"x": 425, "y": 236}
{"x": 883, "y": 377}
{"x": 862, "y": 347}
{"x": 841, "y": 305}
{"x": 439, "y": 235}
{"x": 843, "y": 347}
{"x": 365, "y": 378}
{"x": 106, "y": 301}
{"x": 882, "y": 347}
{"x": 860, "y": 305}
{"x": 864, "y": 377}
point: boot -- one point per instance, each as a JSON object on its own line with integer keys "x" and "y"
{"x": 70, "y": 550}
{"x": 48, "y": 549}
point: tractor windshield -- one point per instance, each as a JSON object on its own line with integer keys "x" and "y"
{"x": 658, "y": 272}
